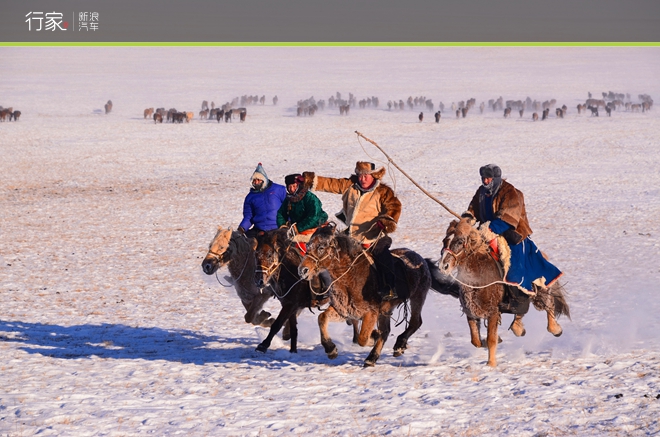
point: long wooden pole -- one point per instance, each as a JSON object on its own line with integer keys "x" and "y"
{"x": 406, "y": 175}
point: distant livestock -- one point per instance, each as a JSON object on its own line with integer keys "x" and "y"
{"x": 437, "y": 117}
{"x": 421, "y": 116}
{"x": 535, "y": 116}
{"x": 108, "y": 107}
{"x": 507, "y": 112}
{"x": 158, "y": 117}
{"x": 148, "y": 113}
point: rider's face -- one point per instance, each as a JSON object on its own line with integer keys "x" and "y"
{"x": 486, "y": 181}
{"x": 292, "y": 188}
{"x": 366, "y": 180}
{"x": 257, "y": 183}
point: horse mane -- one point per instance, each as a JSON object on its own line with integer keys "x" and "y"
{"x": 345, "y": 243}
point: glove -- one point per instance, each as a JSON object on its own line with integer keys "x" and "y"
{"x": 241, "y": 230}
{"x": 512, "y": 237}
{"x": 308, "y": 179}
{"x": 380, "y": 225}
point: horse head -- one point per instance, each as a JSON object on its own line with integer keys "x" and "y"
{"x": 458, "y": 243}
{"x": 218, "y": 254}
{"x": 269, "y": 250}
{"x": 321, "y": 251}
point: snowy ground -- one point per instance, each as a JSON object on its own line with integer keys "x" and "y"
{"x": 109, "y": 327}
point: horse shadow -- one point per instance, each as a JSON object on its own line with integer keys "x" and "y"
{"x": 123, "y": 342}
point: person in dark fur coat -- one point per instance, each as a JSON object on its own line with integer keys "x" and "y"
{"x": 261, "y": 204}
{"x": 369, "y": 208}
{"x": 503, "y": 206}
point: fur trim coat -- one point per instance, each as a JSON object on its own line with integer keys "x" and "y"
{"x": 306, "y": 213}
{"x": 362, "y": 208}
{"x": 508, "y": 206}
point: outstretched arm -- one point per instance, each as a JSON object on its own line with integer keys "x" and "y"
{"x": 328, "y": 185}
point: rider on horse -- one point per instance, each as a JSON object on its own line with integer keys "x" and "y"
{"x": 371, "y": 210}
{"x": 261, "y": 204}
{"x": 500, "y": 203}
{"x": 301, "y": 211}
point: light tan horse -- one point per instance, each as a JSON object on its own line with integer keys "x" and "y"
{"x": 232, "y": 248}
{"x": 466, "y": 251}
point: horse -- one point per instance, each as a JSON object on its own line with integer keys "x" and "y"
{"x": 466, "y": 251}
{"x": 278, "y": 258}
{"x": 108, "y": 107}
{"x": 354, "y": 292}
{"x": 232, "y": 248}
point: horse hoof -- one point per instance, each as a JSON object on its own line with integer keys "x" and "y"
{"x": 262, "y": 348}
{"x": 517, "y": 328}
{"x": 558, "y": 334}
{"x": 369, "y": 363}
{"x": 333, "y": 354}
{"x": 293, "y": 351}
{"x": 399, "y": 352}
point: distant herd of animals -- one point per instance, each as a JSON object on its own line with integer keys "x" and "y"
{"x": 610, "y": 102}
{"x": 8, "y": 114}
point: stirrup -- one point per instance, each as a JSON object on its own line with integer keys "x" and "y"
{"x": 391, "y": 295}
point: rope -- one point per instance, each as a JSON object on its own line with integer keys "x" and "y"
{"x": 234, "y": 281}
{"x": 406, "y": 175}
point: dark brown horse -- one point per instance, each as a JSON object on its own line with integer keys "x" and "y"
{"x": 466, "y": 251}
{"x": 232, "y": 248}
{"x": 354, "y": 293}
{"x": 277, "y": 260}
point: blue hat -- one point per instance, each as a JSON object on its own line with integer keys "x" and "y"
{"x": 260, "y": 173}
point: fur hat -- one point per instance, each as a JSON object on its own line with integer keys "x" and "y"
{"x": 260, "y": 173}
{"x": 362, "y": 167}
{"x": 490, "y": 171}
{"x": 293, "y": 179}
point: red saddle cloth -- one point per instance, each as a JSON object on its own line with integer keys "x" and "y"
{"x": 302, "y": 247}
{"x": 494, "y": 251}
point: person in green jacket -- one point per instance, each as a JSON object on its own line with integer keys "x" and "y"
{"x": 301, "y": 209}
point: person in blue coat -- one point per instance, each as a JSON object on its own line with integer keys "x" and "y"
{"x": 261, "y": 204}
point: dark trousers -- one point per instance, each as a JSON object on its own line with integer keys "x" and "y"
{"x": 384, "y": 266}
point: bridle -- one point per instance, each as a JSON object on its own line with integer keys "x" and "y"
{"x": 218, "y": 257}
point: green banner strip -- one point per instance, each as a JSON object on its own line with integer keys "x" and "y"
{"x": 331, "y": 44}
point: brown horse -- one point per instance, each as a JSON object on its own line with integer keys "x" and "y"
{"x": 232, "y": 248}
{"x": 354, "y": 293}
{"x": 278, "y": 258}
{"x": 466, "y": 251}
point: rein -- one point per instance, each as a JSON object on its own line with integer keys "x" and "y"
{"x": 474, "y": 287}
{"x": 270, "y": 271}
{"x": 318, "y": 260}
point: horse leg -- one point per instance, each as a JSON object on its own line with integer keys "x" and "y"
{"x": 367, "y": 333}
{"x": 517, "y": 326}
{"x": 546, "y": 300}
{"x": 293, "y": 329}
{"x": 286, "y": 331}
{"x": 475, "y": 335}
{"x": 254, "y": 313}
{"x": 327, "y": 316}
{"x": 554, "y": 328}
{"x": 356, "y": 329}
{"x": 284, "y": 314}
{"x": 415, "y": 322}
{"x": 492, "y": 339}
{"x": 384, "y": 329}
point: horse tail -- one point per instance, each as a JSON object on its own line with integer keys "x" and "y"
{"x": 441, "y": 283}
{"x": 561, "y": 306}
